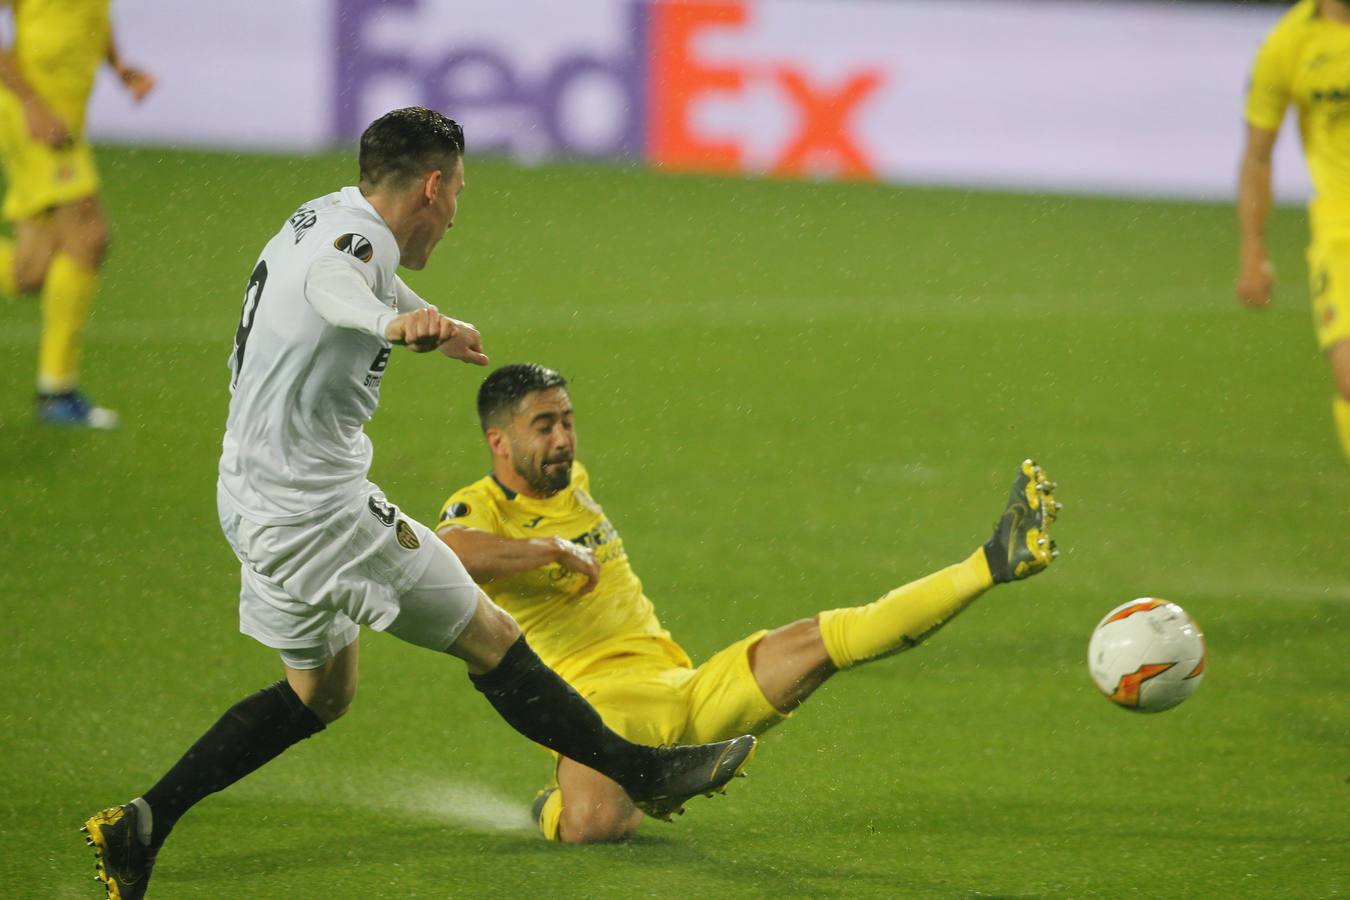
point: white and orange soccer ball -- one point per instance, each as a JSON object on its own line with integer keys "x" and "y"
{"x": 1147, "y": 655}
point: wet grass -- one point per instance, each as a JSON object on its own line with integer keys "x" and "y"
{"x": 791, "y": 397}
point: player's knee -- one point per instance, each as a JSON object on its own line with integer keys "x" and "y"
{"x": 90, "y": 246}
{"x": 484, "y": 641}
{"x": 332, "y": 703}
{"x": 801, "y": 640}
{"x": 29, "y": 277}
{"x": 84, "y": 236}
{"x": 596, "y": 823}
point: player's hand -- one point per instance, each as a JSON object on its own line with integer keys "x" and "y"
{"x": 579, "y": 559}
{"x": 44, "y": 125}
{"x": 138, "y": 82}
{"x": 420, "y": 331}
{"x": 466, "y": 345}
{"x": 1255, "y": 282}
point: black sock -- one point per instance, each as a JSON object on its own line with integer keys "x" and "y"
{"x": 254, "y": 731}
{"x": 535, "y": 701}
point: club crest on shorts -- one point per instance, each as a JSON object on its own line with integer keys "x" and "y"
{"x": 407, "y": 538}
{"x": 383, "y": 510}
{"x": 356, "y": 245}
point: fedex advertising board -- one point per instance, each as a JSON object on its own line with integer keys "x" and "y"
{"x": 1135, "y": 98}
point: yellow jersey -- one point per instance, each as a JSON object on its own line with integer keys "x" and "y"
{"x": 568, "y": 630}
{"x": 58, "y": 46}
{"x": 1305, "y": 60}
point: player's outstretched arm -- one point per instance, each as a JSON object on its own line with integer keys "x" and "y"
{"x": 1256, "y": 276}
{"x": 138, "y": 82}
{"x": 487, "y": 556}
{"x": 426, "y": 329}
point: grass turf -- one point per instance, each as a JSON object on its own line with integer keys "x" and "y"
{"x": 791, "y": 397}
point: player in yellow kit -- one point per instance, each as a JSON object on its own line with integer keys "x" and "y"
{"x": 1305, "y": 61}
{"x": 60, "y": 234}
{"x": 532, "y": 533}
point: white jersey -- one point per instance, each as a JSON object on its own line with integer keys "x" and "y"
{"x": 309, "y": 355}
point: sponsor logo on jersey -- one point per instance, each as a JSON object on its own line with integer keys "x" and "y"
{"x": 407, "y": 538}
{"x": 356, "y": 245}
{"x": 603, "y": 540}
{"x": 533, "y": 522}
{"x": 383, "y": 510}
{"x": 455, "y": 511}
{"x": 1331, "y": 95}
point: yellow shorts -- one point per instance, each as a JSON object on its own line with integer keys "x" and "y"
{"x": 40, "y": 177}
{"x": 649, "y": 699}
{"x": 1329, "y": 271}
{"x": 1329, "y": 284}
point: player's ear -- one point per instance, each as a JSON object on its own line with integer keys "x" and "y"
{"x": 431, "y": 185}
{"x": 497, "y": 441}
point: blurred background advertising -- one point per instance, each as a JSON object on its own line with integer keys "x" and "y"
{"x": 1128, "y": 98}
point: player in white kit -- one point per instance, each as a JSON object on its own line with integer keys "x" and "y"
{"x": 321, "y": 550}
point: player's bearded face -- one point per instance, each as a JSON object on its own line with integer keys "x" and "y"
{"x": 543, "y": 442}
{"x": 545, "y": 474}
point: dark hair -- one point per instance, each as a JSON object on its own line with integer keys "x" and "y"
{"x": 506, "y": 387}
{"x": 402, "y": 145}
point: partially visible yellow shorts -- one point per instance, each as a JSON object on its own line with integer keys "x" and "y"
{"x": 1329, "y": 271}
{"x": 650, "y": 700}
{"x": 40, "y": 177}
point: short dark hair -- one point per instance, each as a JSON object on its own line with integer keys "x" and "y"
{"x": 505, "y": 388}
{"x": 403, "y": 144}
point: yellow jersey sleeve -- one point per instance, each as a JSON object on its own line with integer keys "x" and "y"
{"x": 1272, "y": 77}
{"x": 472, "y": 506}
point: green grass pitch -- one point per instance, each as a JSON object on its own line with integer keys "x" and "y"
{"x": 791, "y": 397}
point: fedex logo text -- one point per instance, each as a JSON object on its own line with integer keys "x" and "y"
{"x": 822, "y": 138}
{"x": 612, "y": 78}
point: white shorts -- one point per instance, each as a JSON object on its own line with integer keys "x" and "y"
{"x": 305, "y": 588}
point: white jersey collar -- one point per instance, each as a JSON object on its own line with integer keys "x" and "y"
{"x": 353, "y": 196}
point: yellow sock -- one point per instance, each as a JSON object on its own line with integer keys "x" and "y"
{"x": 550, "y": 816}
{"x": 8, "y": 286}
{"x": 1340, "y": 409}
{"x": 905, "y": 616}
{"x": 67, "y": 294}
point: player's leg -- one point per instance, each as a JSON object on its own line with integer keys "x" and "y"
{"x": 317, "y": 689}
{"x": 24, "y": 260}
{"x": 315, "y": 692}
{"x": 645, "y": 698}
{"x": 538, "y": 703}
{"x": 1020, "y": 547}
{"x": 81, "y": 233}
{"x": 790, "y": 663}
{"x": 31, "y": 253}
{"x": 588, "y": 808}
{"x": 319, "y": 653}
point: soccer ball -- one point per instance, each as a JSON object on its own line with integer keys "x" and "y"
{"x": 1147, "y": 655}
